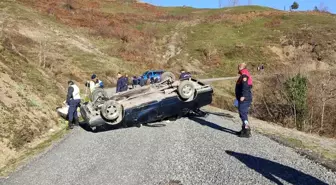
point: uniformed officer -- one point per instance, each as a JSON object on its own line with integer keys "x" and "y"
{"x": 73, "y": 100}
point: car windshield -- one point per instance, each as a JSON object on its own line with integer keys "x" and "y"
{"x": 145, "y": 73}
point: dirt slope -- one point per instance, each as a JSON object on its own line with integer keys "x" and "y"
{"x": 37, "y": 57}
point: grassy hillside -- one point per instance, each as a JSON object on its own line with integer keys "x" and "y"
{"x": 43, "y": 44}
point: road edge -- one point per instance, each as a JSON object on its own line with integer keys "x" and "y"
{"x": 34, "y": 153}
{"x": 283, "y": 140}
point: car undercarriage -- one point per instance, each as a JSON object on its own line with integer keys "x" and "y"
{"x": 169, "y": 98}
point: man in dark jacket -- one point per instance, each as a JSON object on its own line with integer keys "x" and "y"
{"x": 244, "y": 97}
{"x": 73, "y": 100}
{"x": 184, "y": 75}
{"x": 134, "y": 82}
{"x": 126, "y": 80}
{"x": 125, "y": 85}
{"x": 120, "y": 83}
{"x": 142, "y": 81}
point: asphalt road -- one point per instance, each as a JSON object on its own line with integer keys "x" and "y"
{"x": 199, "y": 151}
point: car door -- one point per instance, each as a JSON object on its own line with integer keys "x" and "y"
{"x": 146, "y": 112}
{"x": 169, "y": 107}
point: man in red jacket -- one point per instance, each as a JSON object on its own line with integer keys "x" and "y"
{"x": 244, "y": 97}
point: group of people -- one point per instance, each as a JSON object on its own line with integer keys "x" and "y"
{"x": 242, "y": 91}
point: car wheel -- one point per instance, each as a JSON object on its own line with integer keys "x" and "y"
{"x": 186, "y": 89}
{"x": 168, "y": 75}
{"x": 112, "y": 112}
{"x": 98, "y": 93}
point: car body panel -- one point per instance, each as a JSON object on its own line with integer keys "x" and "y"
{"x": 147, "y": 104}
{"x": 152, "y": 105}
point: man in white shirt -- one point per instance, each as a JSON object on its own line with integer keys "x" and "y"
{"x": 95, "y": 82}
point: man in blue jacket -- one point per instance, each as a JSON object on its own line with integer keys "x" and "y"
{"x": 184, "y": 75}
{"x": 126, "y": 80}
{"x": 121, "y": 83}
{"x": 134, "y": 82}
{"x": 142, "y": 81}
{"x": 244, "y": 97}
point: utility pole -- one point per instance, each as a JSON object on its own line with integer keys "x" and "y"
{"x": 220, "y": 3}
{"x": 249, "y": 2}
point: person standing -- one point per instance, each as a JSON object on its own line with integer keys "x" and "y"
{"x": 127, "y": 80}
{"x": 142, "y": 81}
{"x": 244, "y": 97}
{"x": 73, "y": 100}
{"x": 95, "y": 83}
{"x": 120, "y": 83}
{"x": 134, "y": 82}
{"x": 184, "y": 75}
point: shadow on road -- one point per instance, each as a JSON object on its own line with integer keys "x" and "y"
{"x": 213, "y": 125}
{"x": 103, "y": 128}
{"x": 270, "y": 170}
{"x": 106, "y": 127}
{"x": 220, "y": 114}
{"x": 154, "y": 125}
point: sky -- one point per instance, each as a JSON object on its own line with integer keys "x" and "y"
{"x": 278, "y": 4}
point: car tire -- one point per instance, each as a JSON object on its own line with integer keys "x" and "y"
{"x": 186, "y": 90}
{"x": 168, "y": 75}
{"x": 112, "y": 112}
{"x": 98, "y": 93}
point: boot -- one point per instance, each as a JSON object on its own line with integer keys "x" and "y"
{"x": 70, "y": 126}
{"x": 246, "y": 132}
{"x": 76, "y": 122}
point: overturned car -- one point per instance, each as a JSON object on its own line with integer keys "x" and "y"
{"x": 168, "y": 99}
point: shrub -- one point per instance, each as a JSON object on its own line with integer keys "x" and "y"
{"x": 296, "y": 89}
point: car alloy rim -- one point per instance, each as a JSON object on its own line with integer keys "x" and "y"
{"x": 111, "y": 110}
{"x": 187, "y": 90}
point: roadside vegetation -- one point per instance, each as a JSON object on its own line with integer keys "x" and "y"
{"x": 44, "y": 43}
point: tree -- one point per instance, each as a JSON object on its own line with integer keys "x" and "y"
{"x": 316, "y": 9}
{"x": 323, "y": 8}
{"x": 327, "y": 93}
{"x": 297, "y": 91}
{"x": 295, "y": 5}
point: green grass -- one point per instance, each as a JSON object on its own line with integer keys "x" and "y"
{"x": 177, "y": 11}
{"x": 208, "y": 11}
{"x": 233, "y": 43}
{"x": 13, "y": 164}
{"x": 246, "y": 9}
